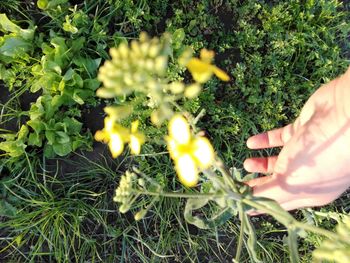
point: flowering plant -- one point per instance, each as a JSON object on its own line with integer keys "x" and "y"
{"x": 140, "y": 70}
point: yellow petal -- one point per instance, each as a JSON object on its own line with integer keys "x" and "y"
{"x": 116, "y": 145}
{"x": 136, "y": 140}
{"x": 109, "y": 123}
{"x": 101, "y": 136}
{"x": 172, "y": 147}
{"x": 221, "y": 74}
{"x": 203, "y": 152}
{"x": 201, "y": 71}
{"x": 192, "y": 91}
{"x": 134, "y": 126}
{"x": 186, "y": 170}
{"x": 207, "y": 55}
{"x": 122, "y": 131}
{"x": 135, "y": 145}
{"x": 179, "y": 129}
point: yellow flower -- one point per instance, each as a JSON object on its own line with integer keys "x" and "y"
{"x": 136, "y": 138}
{"x": 202, "y": 69}
{"x": 116, "y": 136}
{"x": 190, "y": 153}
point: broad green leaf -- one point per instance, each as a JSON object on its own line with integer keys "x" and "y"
{"x": 48, "y": 151}
{"x": 14, "y": 47}
{"x": 76, "y": 45}
{"x": 91, "y": 84}
{"x": 36, "y": 125}
{"x": 62, "y": 137}
{"x": 77, "y": 80}
{"x": 34, "y": 139}
{"x": 62, "y": 149}
{"x": 50, "y": 65}
{"x": 7, "y": 26}
{"x": 36, "y": 111}
{"x": 50, "y": 136}
{"x": 22, "y": 133}
{"x": 178, "y": 37}
{"x": 13, "y": 148}
{"x": 68, "y": 75}
{"x": 60, "y": 51}
{"x": 57, "y": 101}
{"x": 73, "y": 125}
{"x": 47, "y": 82}
{"x": 89, "y": 64}
{"x": 8, "y": 136}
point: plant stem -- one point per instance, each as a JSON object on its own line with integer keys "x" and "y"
{"x": 294, "y": 222}
{"x": 179, "y": 195}
{"x": 240, "y": 239}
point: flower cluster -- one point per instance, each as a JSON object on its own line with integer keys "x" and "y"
{"x": 115, "y": 135}
{"x": 190, "y": 153}
{"x": 123, "y": 194}
{"x": 134, "y": 68}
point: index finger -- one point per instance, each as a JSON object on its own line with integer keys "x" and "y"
{"x": 274, "y": 138}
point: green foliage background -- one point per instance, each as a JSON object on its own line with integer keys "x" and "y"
{"x": 277, "y": 52}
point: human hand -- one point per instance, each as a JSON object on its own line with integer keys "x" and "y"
{"x": 313, "y": 167}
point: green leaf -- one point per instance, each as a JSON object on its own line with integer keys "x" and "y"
{"x": 194, "y": 204}
{"x": 48, "y": 151}
{"x": 68, "y": 27}
{"x": 47, "y": 82}
{"x": 50, "y": 136}
{"x": 7, "y": 26}
{"x": 60, "y": 51}
{"x": 68, "y": 75}
{"x": 36, "y": 125}
{"x": 62, "y": 137}
{"x": 22, "y": 133}
{"x": 13, "y": 148}
{"x": 91, "y": 84}
{"x": 34, "y": 139}
{"x": 77, "y": 80}
{"x": 89, "y": 64}
{"x": 178, "y": 37}
{"x": 62, "y": 149}
{"x": 73, "y": 125}
{"x": 14, "y": 47}
{"x": 77, "y": 98}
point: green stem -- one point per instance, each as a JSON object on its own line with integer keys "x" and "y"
{"x": 179, "y": 195}
{"x": 294, "y": 222}
{"x": 226, "y": 174}
{"x": 241, "y": 235}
